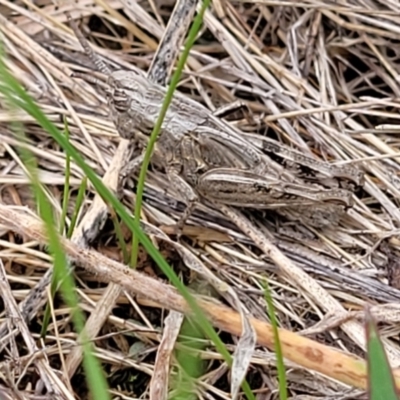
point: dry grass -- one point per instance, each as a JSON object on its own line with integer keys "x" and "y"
{"x": 320, "y": 76}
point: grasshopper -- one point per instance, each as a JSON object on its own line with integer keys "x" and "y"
{"x": 206, "y": 158}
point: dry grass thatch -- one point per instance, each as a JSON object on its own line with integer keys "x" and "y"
{"x": 319, "y": 76}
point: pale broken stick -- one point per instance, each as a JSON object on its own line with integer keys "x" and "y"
{"x": 159, "y": 381}
{"x": 346, "y": 368}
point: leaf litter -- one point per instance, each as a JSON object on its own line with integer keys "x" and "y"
{"x": 321, "y": 77}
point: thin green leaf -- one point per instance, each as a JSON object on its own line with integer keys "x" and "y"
{"x": 277, "y": 343}
{"x": 53, "y": 285}
{"x": 380, "y": 379}
{"x": 79, "y": 201}
{"x": 191, "y": 365}
{"x": 120, "y": 237}
{"x": 66, "y": 184}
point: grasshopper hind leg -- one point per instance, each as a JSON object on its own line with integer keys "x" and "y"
{"x": 186, "y": 193}
{"x": 318, "y": 216}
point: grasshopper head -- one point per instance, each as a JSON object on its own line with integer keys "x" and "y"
{"x": 124, "y": 88}
{"x": 126, "y": 95}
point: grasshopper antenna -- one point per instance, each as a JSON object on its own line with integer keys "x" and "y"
{"x": 96, "y": 60}
{"x": 90, "y": 79}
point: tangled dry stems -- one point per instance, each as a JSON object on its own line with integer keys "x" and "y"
{"x": 316, "y": 75}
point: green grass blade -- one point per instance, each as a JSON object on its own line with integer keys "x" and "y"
{"x": 66, "y": 184}
{"x": 79, "y": 201}
{"x": 189, "y": 361}
{"x": 380, "y": 379}
{"x": 53, "y": 286}
{"x": 120, "y": 238}
{"x": 47, "y": 311}
{"x": 277, "y": 344}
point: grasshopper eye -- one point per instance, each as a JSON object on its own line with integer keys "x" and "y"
{"x": 120, "y": 100}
